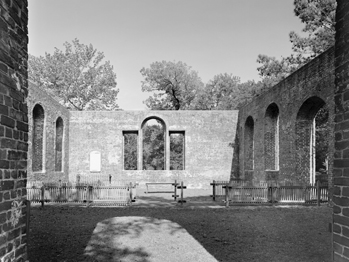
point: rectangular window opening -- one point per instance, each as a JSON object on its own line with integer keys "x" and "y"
{"x": 130, "y": 150}
{"x": 177, "y": 150}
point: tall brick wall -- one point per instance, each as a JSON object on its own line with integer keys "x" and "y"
{"x": 314, "y": 81}
{"x": 50, "y": 149}
{"x": 341, "y": 154}
{"x": 13, "y": 129}
{"x": 208, "y": 155}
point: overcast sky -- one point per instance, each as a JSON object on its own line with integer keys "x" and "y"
{"x": 211, "y": 36}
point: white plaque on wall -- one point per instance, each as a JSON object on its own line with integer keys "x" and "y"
{"x": 95, "y": 161}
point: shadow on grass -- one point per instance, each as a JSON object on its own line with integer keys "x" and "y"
{"x": 143, "y": 239}
{"x": 128, "y": 238}
{"x": 167, "y": 201}
{"x": 60, "y": 233}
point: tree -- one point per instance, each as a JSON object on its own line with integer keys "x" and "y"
{"x": 153, "y": 145}
{"x": 77, "y": 77}
{"x": 174, "y": 85}
{"x": 177, "y": 152}
{"x": 225, "y": 92}
{"x": 130, "y": 151}
{"x": 319, "y": 19}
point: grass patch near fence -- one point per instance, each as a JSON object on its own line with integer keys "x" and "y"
{"x": 61, "y": 233}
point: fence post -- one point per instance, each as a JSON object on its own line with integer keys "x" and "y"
{"x": 214, "y": 190}
{"x": 42, "y": 196}
{"x": 182, "y": 193}
{"x": 131, "y": 197}
{"x": 89, "y": 193}
{"x": 272, "y": 194}
{"x": 318, "y": 192}
{"x": 226, "y": 196}
{"x": 175, "y": 190}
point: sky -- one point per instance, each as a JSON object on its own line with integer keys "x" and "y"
{"x": 210, "y": 36}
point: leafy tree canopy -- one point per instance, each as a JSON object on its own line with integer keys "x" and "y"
{"x": 77, "y": 77}
{"x": 174, "y": 85}
{"x": 177, "y": 87}
{"x": 225, "y": 92}
{"x": 319, "y": 19}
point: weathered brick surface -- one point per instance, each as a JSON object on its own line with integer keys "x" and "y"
{"x": 294, "y": 102}
{"x": 341, "y": 156}
{"x": 208, "y": 155}
{"x": 52, "y": 111}
{"x": 13, "y": 122}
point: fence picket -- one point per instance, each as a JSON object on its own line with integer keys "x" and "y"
{"x": 110, "y": 195}
{"x": 245, "y": 192}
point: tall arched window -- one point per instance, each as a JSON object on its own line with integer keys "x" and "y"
{"x": 271, "y": 137}
{"x": 59, "y": 144}
{"x": 306, "y": 132}
{"x": 153, "y": 133}
{"x": 38, "y": 138}
{"x": 248, "y": 143}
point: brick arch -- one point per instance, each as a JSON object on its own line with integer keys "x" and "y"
{"x": 271, "y": 137}
{"x": 59, "y": 144}
{"x": 161, "y": 161}
{"x": 248, "y": 146}
{"x": 164, "y": 121}
{"x": 305, "y": 139}
{"x": 38, "y": 138}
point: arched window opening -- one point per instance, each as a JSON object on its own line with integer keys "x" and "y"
{"x": 312, "y": 131}
{"x": 248, "y": 144}
{"x": 38, "y": 138}
{"x": 322, "y": 132}
{"x": 271, "y": 138}
{"x": 153, "y": 144}
{"x": 59, "y": 145}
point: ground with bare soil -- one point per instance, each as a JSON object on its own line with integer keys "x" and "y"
{"x": 62, "y": 233}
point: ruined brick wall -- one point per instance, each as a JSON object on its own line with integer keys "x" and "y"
{"x": 48, "y": 131}
{"x": 208, "y": 155}
{"x": 281, "y": 116}
{"x": 341, "y": 154}
{"x": 13, "y": 129}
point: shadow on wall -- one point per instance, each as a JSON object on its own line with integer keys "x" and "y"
{"x": 235, "y": 170}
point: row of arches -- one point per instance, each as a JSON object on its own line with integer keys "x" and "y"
{"x": 311, "y": 131}
{"x": 39, "y": 140}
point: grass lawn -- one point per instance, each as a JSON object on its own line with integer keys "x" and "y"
{"x": 61, "y": 233}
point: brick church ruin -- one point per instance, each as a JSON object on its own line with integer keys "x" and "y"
{"x": 272, "y": 138}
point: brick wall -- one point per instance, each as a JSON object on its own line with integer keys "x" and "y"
{"x": 13, "y": 128}
{"x": 208, "y": 134}
{"x": 296, "y": 98}
{"x": 271, "y": 137}
{"x": 248, "y": 144}
{"x": 341, "y": 154}
{"x": 49, "y": 150}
